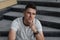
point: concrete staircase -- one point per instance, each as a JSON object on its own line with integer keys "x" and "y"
{"x": 47, "y": 12}
{"x": 46, "y": 38}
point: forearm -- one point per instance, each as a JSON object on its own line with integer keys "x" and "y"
{"x": 39, "y": 37}
{"x": 10, "y": 38}
{"x": 12, "y": 35}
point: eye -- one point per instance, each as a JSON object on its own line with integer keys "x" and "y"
{"x": 31, "y": 13}
{"x": 34, "y": 13}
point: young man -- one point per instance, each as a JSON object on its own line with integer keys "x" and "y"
{"x": 27, "y": 27}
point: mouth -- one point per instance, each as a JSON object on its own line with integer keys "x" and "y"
{"x": 30, "y": 19}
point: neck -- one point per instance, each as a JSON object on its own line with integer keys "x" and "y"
{"x": 25, "y": 22}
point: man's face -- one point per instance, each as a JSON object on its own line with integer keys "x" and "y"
{"x": 30, "y": 14}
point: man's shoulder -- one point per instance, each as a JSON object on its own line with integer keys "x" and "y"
{"x": 36, "y": 19}
{"x": 18, "y": 19}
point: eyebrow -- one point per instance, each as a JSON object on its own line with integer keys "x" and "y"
{"x": 33, "y": 13}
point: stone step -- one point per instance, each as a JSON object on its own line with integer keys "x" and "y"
{"x": 51, "y": 32}
{"x": 46, "y": 38}
{"x": 40, "y": 17}
{"x": 48, "y": 32}
{"x": 40, "y": 0}
{"x": 52, "y": 22}
{"x": 45, "y": 20}
{"x": 49, "y": 29}
{"x": 48, "y": 18}
{"x": 2, "y": 11}
{"x": 52, "y": 38}
{"x": 51, "y": 3}
{"x": 12, "y": 15}
{"x": 49, "y": 21}
{"x": 6, "y": 24}
{"x": 50, "y": 11}
{"x": 3, "y": 38}
{"x": 40, "y": 8}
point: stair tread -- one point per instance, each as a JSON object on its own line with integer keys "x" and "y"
{"x": 40, "y": 17}
{"x": 3, "y": 38}
{"x": 46, "y": 38}
{"x": 5, "y": 25}
{"x": 50, "y": 29}
{"x": 45, "y": 29}
{"x": 52, "y": 38}
{"x": 17, "y": 14}
{"x": 48, "y": 18}
{"x": 40, "y": 0}
{"x": 39, "y": 8}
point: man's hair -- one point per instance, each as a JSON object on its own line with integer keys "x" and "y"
{"x": 30, "y": 5}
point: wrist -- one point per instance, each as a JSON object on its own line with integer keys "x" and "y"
{"x": 36, "y": 32}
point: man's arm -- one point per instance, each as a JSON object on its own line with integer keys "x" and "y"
{"x": 39, "y": 36}
{"x": 12, "y": 35}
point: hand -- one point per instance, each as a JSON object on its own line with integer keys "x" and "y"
{"x": 32, "y": 26}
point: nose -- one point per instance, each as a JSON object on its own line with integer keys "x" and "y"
{"x": 30, "y": 15}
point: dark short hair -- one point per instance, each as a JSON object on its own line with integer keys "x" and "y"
{"x": 30, "y": 5}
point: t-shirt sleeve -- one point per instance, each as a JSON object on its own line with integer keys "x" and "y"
{"x": 14, "y": 25}
{"x": 38, "y": 26}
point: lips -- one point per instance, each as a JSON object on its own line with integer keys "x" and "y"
{"x": 30, "y": 18}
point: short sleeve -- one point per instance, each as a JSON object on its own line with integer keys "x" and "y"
{"x": 14, "y": 25}
{"x": 38, "y": 25}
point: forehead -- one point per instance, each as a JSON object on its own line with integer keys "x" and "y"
{"x": 31, "y": 10}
